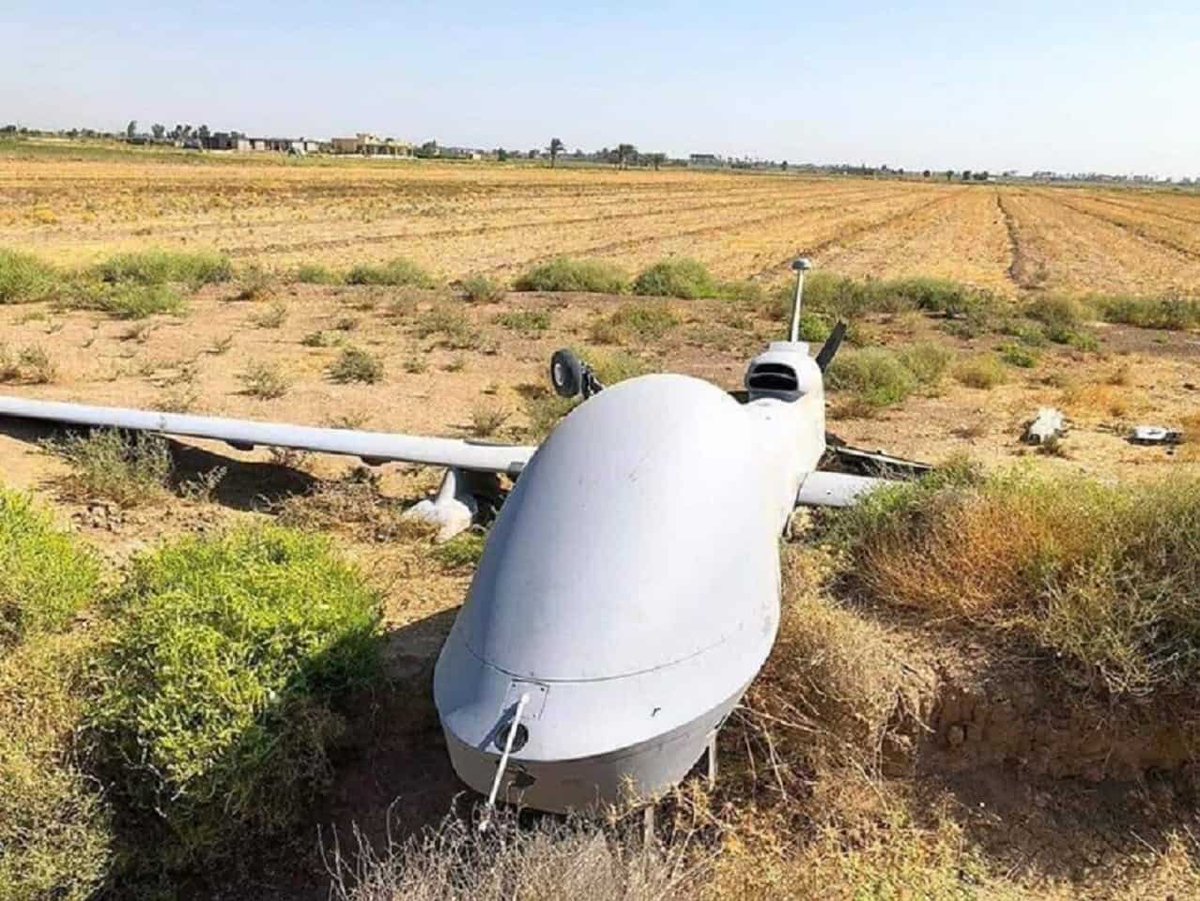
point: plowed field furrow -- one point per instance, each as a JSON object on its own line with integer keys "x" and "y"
{"x": 1080, "y": 253}
{"x": 1183, "y": 238}
{"x": 1176, "y": 209}
{"x": 962, "y": 236}
{"x": 713, "y": 242}
{"x": 484, "y": 223}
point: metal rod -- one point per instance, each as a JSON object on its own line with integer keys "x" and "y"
{"x": 503, "y": 765}
{"x": 800, "y": 266}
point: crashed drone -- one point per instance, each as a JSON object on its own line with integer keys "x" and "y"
{"x": 629, "y": 590}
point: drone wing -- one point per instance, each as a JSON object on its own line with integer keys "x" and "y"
{"x": 836, "y": 489}
{"x": 244, "y": 434}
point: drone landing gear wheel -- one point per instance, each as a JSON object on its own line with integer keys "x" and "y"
{"x": 566, "y": 374}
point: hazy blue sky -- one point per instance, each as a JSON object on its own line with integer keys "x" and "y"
{"x": 1069, "y": 86}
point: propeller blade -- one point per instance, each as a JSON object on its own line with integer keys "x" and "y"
{"x": 830, "y": 348}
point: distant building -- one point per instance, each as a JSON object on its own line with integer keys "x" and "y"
{"x": 705, "y": 161}
{"x": 460, "y": 153}
{"x": 369, "y": 145}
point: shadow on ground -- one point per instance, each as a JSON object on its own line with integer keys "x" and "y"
{"x": 245, "y": 485}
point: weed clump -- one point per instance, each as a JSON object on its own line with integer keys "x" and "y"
{"x": 448, "y": 324}
{"x": 1108, "y": 577}
{"x": 397, "y": 272}
{"x": 875, "y": 376}
{"x": 481, "y": 289}
{"x": 1170, "y": 313}
{"x": 266, "y": 381}
{"x": 927, "y": 361}
{"x": 1018, "y": 355}
{"x": 565, "y": 274}
{"x": 126, "y": 468}
{"x": 127, "y": 301}
{"x": 528, "y": 322}
{"x": 25, "y": 279}
{"x": 687, "y": 279}
{"x": 32, "y": 365}
{"x": 356, "y": 365}
{"x": 158, "y": 267}
{"x": 229, "y": 664}
{"x": 56, "y": 835}
{"x": 981, "y": 371}
{"x": 45, "y": 577}
{"x": 487, "y": 418}
{"x": 316, "y": 274}
{"x": 643, "y": 322}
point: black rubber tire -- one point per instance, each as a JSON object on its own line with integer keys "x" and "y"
{"x": 566, "y": 373}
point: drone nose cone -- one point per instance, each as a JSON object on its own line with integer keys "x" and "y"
{"x": 629, "y": 588}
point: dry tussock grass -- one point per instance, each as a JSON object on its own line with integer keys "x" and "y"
{"x": 553, "y": 859}
{"x": 1104, "y": 577}
{"x": 1113, "y": 398}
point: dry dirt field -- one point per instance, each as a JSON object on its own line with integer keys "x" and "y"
{"x": 458, "y": 220}
{"x": 1002, "y": 793}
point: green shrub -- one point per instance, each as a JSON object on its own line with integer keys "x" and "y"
{"x": 45, "y": 577}
{"x": 1019, "y": 356}
{"x": 616, "y": 366}
{"x": 565, "y": 274}
{"x": 874, "y": 375}
{"x": 688, "y": 279}
{"x": 157, "y": 267}
{"x": 24, "y": 278}
{"x": 528, "y": 322}
{"x": 396, "y": 272}
{"x": 1062, "y": 318}
{"x": 266, "y": 381}
{"x": 230, "y": 660}
{"x": 1107, "y": 578}
{"x": 932, "y": 294}
{"x": 460, "y": 553}
{"x": 742, "y": 292}
{"x": 1027, "y": 332}
{"x": 814, "y": 327}
{"x": 56, "y": 837}
{"x": 448, "y": 324}
{"x": 638, "y": 322}
{"x": 1172, "y": 313}
{"x": 126, "y": 468}
{"x": 927, "y": 361}
{"x": 316, "y": 274}
{"x": 356, "y": 365}
{"x": 255, "y": 283}
{"x": 983, "y": 371}
{"x": 126, "y": 301}
{"x": 481, "y": 289}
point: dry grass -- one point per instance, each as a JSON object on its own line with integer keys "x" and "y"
{"x": 575, "y": 859}
{"x": 1116, "y": 401}
{"x": 1105, "y": 577}
{"x": 31, "y": 365}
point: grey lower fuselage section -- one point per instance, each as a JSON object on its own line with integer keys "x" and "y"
{"x": 629, "y": 589}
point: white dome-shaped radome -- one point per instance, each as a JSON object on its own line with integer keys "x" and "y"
{"x": 639, "y": 535}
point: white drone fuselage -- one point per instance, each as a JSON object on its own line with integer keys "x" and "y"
{"x": 630, "y": 587}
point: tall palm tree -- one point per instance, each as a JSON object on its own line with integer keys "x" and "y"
{"x": 556, "y": 147}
